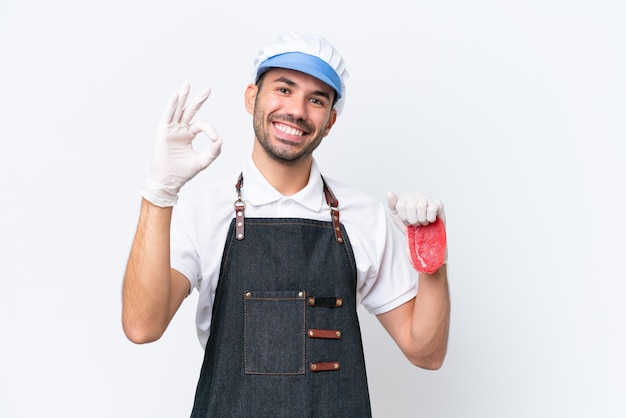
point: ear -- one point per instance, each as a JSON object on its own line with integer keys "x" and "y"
{"x": 331, "y": 121}
{"x": 250, "y": 97}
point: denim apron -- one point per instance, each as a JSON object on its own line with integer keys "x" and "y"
{"x": 285, "y": 339}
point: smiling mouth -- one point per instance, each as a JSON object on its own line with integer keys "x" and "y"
{"x": 288, "y": 130}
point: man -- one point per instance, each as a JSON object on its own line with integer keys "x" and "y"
{"x": 281, "y": 256}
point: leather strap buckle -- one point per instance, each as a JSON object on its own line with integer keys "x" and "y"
{"x": 240, "y": 207}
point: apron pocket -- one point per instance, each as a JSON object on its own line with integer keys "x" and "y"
{"x": 274, "y": 332}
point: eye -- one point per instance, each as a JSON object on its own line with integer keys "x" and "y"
{"x": 283, "y": 90}
{"x": 320, "y": 101}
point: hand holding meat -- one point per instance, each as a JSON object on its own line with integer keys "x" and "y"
{"x": 422, "y": 219}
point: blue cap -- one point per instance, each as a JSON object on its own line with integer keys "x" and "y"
{"x": 307, "y": 64}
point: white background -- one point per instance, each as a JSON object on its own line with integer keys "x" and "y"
{"x": 513, "y": 113}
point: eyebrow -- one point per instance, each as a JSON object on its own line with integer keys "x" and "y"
{"x": 291, "y": 83}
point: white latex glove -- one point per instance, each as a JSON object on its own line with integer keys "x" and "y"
{"x": 175, "y": 161}
{"x": 415, "y": 209}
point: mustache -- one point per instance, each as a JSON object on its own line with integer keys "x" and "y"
{"x": 300, "y": 123}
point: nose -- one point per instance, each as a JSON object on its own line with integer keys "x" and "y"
{"x": 297, "y": 107}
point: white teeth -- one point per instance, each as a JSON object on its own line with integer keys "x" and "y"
{"x": 288, "y": 130}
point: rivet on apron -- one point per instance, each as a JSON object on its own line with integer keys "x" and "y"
{"x": 248, "y": 295}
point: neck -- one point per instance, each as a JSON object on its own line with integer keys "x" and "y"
{"x": 288, "y": 179}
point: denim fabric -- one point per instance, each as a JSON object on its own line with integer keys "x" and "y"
{"x": 257, "y": 357}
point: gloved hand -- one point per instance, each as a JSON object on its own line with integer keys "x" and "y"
{"x": 422, "y": 219}
{"x": 175, "y": 161}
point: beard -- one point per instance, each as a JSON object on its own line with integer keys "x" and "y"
{"x": 283, "y": 153}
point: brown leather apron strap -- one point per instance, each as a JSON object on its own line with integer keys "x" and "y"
{"x": 333, "y": 334}
{"x": 331, "y": 200}
{"x": 240, "y": 207}
{"x": 324, "y": 366}
{"x": 334, "y": 211}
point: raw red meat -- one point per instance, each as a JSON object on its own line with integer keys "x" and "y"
{"x": 427, "y": 246}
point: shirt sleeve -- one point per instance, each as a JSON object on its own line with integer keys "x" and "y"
{"x": 391, "y": 281}
{"x": 183, "y": 254}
